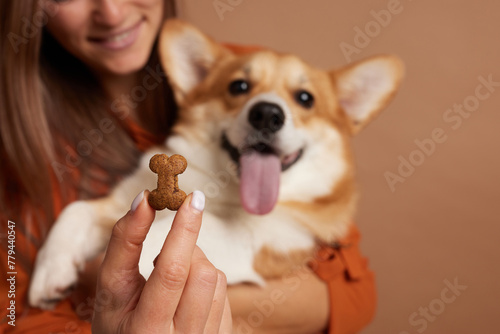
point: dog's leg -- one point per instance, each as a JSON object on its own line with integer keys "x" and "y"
{"x": 81, "y": 231}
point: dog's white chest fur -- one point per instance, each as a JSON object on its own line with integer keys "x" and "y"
{"x": 232, "y": 243}
{"x": 229, "y": 236}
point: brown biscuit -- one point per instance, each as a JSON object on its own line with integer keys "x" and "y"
{"x": 167, "y": 194}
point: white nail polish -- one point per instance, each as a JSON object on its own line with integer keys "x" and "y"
{"x": 137, "y": 201}
{"x": 198, "y": 200}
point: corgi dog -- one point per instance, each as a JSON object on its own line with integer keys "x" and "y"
{"x": 267, "y": 139}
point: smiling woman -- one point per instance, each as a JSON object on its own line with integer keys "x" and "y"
{"x": 108, "y": 36}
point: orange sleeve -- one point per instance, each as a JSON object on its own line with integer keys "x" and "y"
{"x": 15, "y": 314}
{"x": 61, "y": 320}
{"x": 351, "y": 284}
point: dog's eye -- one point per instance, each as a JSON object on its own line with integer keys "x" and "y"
{"x": 304, "y": 98}
{"x": 238, "y": 87}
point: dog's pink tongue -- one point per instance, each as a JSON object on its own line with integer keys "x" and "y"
{"x": 259, "y": 181}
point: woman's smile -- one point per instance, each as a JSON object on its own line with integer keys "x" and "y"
{"x": 120, "y": 40}
{"x": 113, "y": 38}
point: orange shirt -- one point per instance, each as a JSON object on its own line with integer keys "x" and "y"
{"x": 351, "y": 283}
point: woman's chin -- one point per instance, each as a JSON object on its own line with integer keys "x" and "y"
{"x": 122, "y": 67}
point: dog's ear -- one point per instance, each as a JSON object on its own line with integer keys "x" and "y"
{"x": 366, "y": 87}
{"x": 186, "y": 55}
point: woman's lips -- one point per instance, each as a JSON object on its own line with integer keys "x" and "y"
{"x": 120, "y": 40}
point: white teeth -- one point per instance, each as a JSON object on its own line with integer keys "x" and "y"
{"x": 118, "y": 38}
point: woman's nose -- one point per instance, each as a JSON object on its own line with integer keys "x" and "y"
{"x": 108, "y": 12}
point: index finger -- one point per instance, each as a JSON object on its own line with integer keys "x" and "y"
{"x": 166, "y": 283}
{"x": 125, "y": 245}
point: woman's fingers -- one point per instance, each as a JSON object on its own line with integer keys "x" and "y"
{"x": 119, "y": 282}
{"x": 163, "y": 290}
{"x": 198, "y": 296}
{"x": 124, "y": 248}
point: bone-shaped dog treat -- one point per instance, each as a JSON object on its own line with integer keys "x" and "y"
{"x": 167, "y": 194}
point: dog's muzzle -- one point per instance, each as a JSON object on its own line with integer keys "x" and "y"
{"x": 260, "y": 154}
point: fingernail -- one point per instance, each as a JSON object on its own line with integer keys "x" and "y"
{"x": 137, "y": 201}
{"x": 198, "y": 200}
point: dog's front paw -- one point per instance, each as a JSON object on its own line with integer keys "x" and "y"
{"x": 53, "y": 278}
{"x": 71, "y": 241}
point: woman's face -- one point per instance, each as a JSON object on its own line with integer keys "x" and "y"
{"x": 113, "y": 37}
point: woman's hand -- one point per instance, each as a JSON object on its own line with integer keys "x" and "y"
{"x": 185, "y": 292}
{"x": 297, "y": 303}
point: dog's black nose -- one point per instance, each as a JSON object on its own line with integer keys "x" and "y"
{"x": 266, "y": 116}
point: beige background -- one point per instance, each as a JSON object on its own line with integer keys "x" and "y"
{"x": 443, "y": 222}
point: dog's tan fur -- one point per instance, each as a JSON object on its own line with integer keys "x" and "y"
{"x": 284, "y": 74}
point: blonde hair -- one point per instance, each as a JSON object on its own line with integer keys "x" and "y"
{"x": 49, "y": 105}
